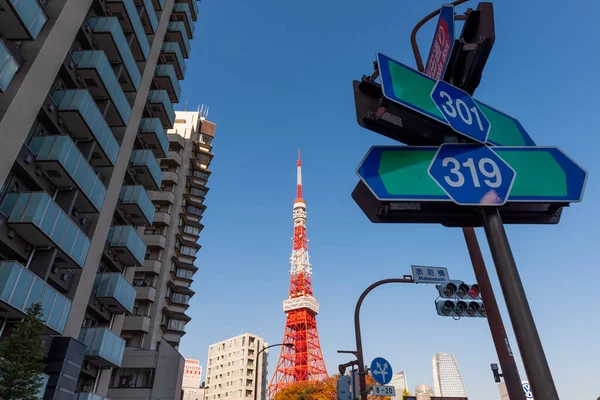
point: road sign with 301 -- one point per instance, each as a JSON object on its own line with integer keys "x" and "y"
{"x": 472, "y": 174}
{"x": 461, "y": 111}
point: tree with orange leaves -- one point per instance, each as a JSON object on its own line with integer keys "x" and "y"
{"x": 324, "y": 390}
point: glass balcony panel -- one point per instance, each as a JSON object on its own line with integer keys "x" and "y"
{"x": 154, "y": 136}
{"x": 167, "y": 80}
{"x": 113, "y": 290}
{"x": 148, "y": 16}
{"x": 158, "y": 4}
{"x": 87, "y": 396}
{"x": 146, "y": 168}
{"x": 22, "y": 19}
{"x": 8, "y": 66}
{"x": 193, "y": 4}
{"x": 162, "y": 108}
{"x": 136, "y": 202}
{"x": 39, "y": 220}
{"x": 182, "y": 13}
{"x": 176, "y": 33}
{"x": 65, "y": 166}
{"x": 171, "y": 54}
{"x": 82, "y": 116}
{"x": 20, "y": 288}
{"x": 127, "y": 14}
{"x": 110, "y": 37}
{"x": 103, "y": 347}
{"x": 127, "y": 244}
{"x": 95, "y": 69}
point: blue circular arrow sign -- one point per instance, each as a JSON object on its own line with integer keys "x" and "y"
{"x": 461, "y": 111}
{"x": 472, "y": 174}
{"x": 381, "y": 370}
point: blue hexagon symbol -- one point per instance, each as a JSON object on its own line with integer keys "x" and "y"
{"x": 461, "y": 111}
{"x": 472, "y": 174}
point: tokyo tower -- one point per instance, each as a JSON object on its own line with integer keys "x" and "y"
{"x": 303, "y": 361}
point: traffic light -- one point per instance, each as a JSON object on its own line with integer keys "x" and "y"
{"x": 458, "y": 299}
{"x": 472, "y": 49}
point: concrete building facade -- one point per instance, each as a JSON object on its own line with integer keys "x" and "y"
{"x": 86, "y": 95}
{"x": 447, "y": 379}
{"x": 399, "y": 383}
{"x": 232, "y": 368}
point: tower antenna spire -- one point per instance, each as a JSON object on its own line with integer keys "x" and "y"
{"x": 299, "y": 178}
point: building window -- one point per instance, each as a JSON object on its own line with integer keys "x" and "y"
{"x": 188, "y": 251}
{"x": 198, "y": 192}
{"x": 195, "y": 210}
{"x": 205, "y": 139}
{"x": 205, "y": 158}
{"x": 132, "y": 378}
{"x": 192, "y": 230}
{"x": 201, "y": 175}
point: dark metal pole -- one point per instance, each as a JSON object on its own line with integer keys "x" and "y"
{"x": 258, "y": 361}
{"x": 528, "y": 339}
{"x": 510, "y": 371}
{"x": 359, "y": 350}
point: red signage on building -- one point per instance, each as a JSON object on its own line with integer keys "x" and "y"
{"x": 441, "y": 48}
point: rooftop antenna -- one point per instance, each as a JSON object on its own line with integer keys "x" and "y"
{"x": 185, "y": 108}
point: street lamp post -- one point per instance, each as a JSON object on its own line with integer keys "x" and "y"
{"x": 288, "y": 345}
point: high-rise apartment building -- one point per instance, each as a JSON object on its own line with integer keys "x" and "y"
{"x": 162, "y": 282}
{"x": 86, "y": 95}
{"x": 447, "y": 379}
{"x": 399, "y": 382}
{"x": 233, "y": 366}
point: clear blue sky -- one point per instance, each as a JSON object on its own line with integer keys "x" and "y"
{"x": 277, "y": 76}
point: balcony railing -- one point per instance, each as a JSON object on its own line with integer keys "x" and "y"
{"x": 22, "y": 19}
{"x": 146, "y": 168}
{"x": 193, "y": 7}
{"x": 20, "y": 288}
{"x": 182, "y": 12}
{"x": 82, "y": 116}
{"x": 131, "y": 22}
{"x": 40, "y": 221}
{"x": 103, "y": 347}
{"x": 127, "y": 244}
{"x": 137, "y": 204}
{"x": 113, "y": 290}
{"x": 148, "y": 16}
{"x": 166, "y": 78}
{"x": 93, "y": 66}
{"x": 110, "y": 37}
{"x": 176, "y": 33}
{"x": 162, "y": 108}
{"x": 171, "y": 54}
{"x": 66, "y": 167}
{"x": 154, "y": 136}
{"x": 8, "y": 66}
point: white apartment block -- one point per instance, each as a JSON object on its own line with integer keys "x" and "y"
{"x": 232, "y": 367}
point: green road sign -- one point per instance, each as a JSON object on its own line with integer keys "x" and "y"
{"x": 543, "y": 174}
{"x": 412, "y": 89}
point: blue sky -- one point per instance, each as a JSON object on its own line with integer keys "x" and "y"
{"x": 277, "y": 76}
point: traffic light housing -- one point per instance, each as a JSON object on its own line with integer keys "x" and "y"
{"x": 471, "y": 51}
{"x": 458, "y": 299}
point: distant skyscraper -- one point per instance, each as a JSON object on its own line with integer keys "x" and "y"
{"x": 423, "y": 392}
{"x": 447, "y": 380}
{"x": 399, "y": 382}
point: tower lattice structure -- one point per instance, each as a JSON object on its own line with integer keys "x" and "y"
{"x": 304, "y": 360}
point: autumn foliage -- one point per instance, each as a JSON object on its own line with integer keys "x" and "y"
{"x": 324, "y": 390}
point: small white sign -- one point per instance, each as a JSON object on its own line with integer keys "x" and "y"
{"x": 384, "y": 391}
{"x": 422, "y": 274}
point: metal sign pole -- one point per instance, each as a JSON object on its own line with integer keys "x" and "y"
{"x": 510, "y": 371}
{"x": 530, "y": 345}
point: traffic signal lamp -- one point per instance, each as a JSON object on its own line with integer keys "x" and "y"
{"x": 471, "y": 51}
{"x": 458, "y": 299}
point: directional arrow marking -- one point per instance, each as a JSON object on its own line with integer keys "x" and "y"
{"x": 412, "y": 89}
{"x": 544, "y": 174}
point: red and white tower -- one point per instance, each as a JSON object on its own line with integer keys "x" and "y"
{"x": 303, "y": 361}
